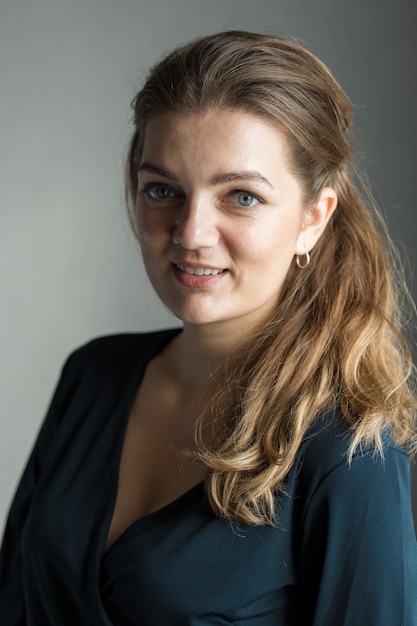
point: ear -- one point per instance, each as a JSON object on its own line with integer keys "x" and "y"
{"x": 315, "y": 220}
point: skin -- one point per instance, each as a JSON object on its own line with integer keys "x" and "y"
{"x": 215, "y": 192}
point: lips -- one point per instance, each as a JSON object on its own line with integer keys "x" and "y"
{"x": 199, "y": 271}
{"x": 198, "y": 277}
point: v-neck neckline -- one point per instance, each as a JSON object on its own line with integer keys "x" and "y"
{"x": 175, "y": 507}
{"x": 132, "y": 387}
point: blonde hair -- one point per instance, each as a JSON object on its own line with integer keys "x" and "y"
{"x": 335, "y": 338}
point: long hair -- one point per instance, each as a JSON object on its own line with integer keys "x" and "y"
{"x": 335, "y": 338}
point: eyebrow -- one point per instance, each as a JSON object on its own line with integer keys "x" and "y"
{"x": 217, "y": 179}
{"x": 243, "y": 175}
{"x": 155, "y": 169}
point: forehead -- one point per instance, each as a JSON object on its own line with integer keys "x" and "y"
{"x": 226, "y": 120}
{"x": 214, "y": 137}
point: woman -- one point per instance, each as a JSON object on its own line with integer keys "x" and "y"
{"x": 251, "y": 468}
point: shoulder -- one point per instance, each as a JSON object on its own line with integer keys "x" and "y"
{"x": 328, "y": 441}
{"x": 103, "y": 365}
{"x": 323, "y": 467}
{"x": 117, "y": 350}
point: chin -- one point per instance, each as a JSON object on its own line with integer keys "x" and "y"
{"x": 188, "y": 317}
{"x": 196, "y": 312}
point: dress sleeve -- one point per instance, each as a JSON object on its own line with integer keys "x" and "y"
{"x": 359, "y": 551}
{"x": 12, "y": 604}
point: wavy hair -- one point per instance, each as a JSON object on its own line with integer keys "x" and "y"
{"x": 335, "y": 338}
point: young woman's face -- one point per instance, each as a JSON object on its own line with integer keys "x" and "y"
{"x": 220, "y": 215}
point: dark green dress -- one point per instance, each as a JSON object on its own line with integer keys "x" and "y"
{"x": 344, "y": 553}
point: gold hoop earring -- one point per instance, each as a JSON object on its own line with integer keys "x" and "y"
{"x": 301, "y": 265}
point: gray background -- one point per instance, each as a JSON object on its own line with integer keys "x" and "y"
{"x": 68, "y": 69}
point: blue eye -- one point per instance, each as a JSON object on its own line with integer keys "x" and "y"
{"x": 159, "y": 192}
{"x": 246, "y": 199}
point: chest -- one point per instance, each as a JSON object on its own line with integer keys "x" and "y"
{"x": 169, "y": 566}
{"x": 153, "y": 469}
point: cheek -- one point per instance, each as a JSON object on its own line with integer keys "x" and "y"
{"x": 271, "y": 243}
{"x": 153, "y": 231}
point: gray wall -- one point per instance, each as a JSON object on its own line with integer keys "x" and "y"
{"x": 69, "y": 266}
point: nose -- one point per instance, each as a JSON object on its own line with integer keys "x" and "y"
{"x": 196, "y": 225}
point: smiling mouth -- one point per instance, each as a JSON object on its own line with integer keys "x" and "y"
{"x": 199, "y": 271}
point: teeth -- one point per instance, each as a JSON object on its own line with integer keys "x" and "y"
{"x": 199, "y": 271}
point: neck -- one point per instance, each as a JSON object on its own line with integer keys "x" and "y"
{"x": 198, "y": 352}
